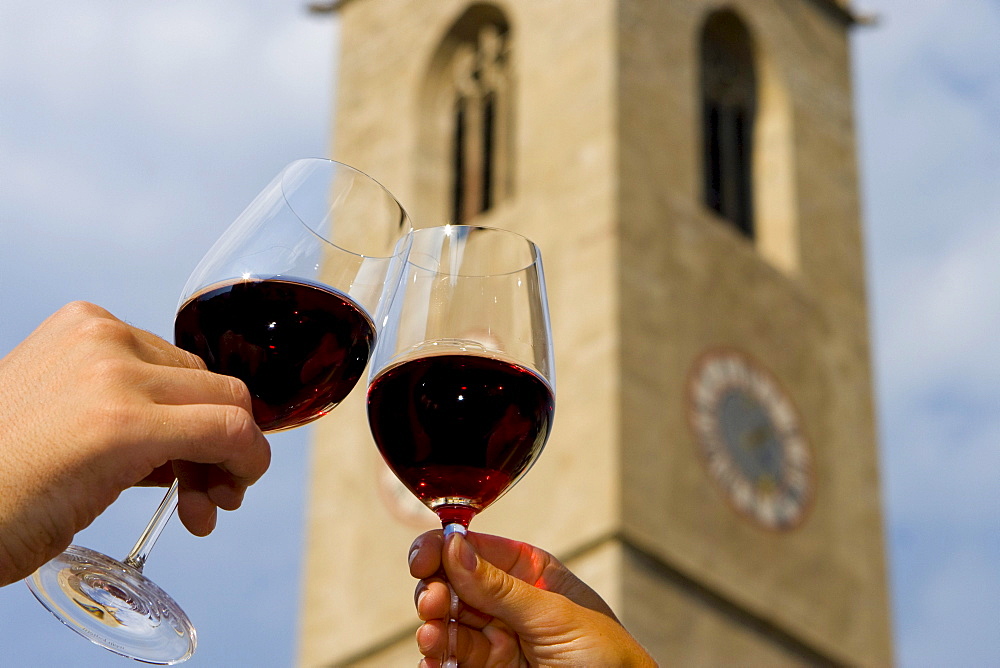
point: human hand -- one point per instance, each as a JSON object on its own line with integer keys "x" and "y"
{"x": 520, "y": 606}
{"x": 90, "y": 406}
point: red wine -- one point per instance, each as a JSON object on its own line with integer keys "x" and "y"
{"x": 299, "y": 347}
{"x": 458, "y": 429}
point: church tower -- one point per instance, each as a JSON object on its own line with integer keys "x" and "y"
{"x": 688, "y": 168}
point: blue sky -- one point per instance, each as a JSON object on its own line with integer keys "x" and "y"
{"x": 928, "y": 94}
{"x": 132, "y": 133}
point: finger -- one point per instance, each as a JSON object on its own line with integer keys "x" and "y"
{"x": 473, "y": 647}
{"x": 538, "y": 568}
{"x": 425, "y": 554}
{"x": 176, "y": 387}
{"x": 521, "y": 560}
{"x": 211, "y": 434}
{"x": 196, "y": 511}
{"x": 433, "y": 601}
{"x": 199, "y": 496}
{"x": 222, "y": 489}
{"x": 429, "y": 638}
{"x": 485, "y": 587}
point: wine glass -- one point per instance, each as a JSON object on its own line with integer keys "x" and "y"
{"x": 461, "y": 390}
{"x": 281, "y": 301}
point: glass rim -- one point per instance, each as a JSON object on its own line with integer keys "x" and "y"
{"x": 405, "y": 220}
{"x": 536, "y": 252}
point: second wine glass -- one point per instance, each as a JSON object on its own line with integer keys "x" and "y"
{"x": 461, "y": 391}
{"x": 282, "y": 301}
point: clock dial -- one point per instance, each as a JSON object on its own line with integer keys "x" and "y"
{"x": 751, "y": 442}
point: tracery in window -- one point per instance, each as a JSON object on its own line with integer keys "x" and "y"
{"x": 480, "y": 160}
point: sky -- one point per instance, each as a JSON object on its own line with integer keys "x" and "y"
{"x": 131, "y": 134}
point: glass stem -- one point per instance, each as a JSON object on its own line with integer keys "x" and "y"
{"x": 140, "y": 551}
{"x": 450, "y": 660}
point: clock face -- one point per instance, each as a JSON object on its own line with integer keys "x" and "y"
{"x": 751, "y": 443}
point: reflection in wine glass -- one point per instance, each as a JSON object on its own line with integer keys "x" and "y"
{"x": 461, "y": 390}
{"x": 281, "y": 301}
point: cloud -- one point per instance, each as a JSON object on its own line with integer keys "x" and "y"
{"x": 132, "y": 133}
{"x": 940, "y": 314}
{"x": 931, "y": 150}
{"x": 944, "y": 462}
{"x": 955, "y": 613}
{"x": 929, "y": 92}
{"x": 137, "y": 131}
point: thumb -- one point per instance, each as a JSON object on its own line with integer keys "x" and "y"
{"x": 489, "y": 589}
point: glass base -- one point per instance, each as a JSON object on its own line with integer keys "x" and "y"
{"x": 115, "y": 606}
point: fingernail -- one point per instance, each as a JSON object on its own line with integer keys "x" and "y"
{"x": 466, "y": 553}
{"x": 213, "y": 520}
{"x": 414, "y": 550}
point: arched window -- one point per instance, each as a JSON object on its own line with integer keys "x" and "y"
{"x": 478, "y": 143}
{"x": 729, "y": 109}
{"x": 464, "y": 162}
